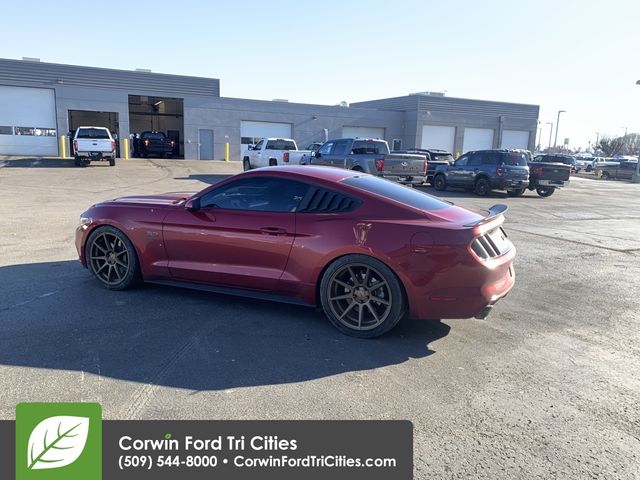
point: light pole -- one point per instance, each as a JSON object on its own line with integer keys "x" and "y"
{"x": 636, "y": 176}
{"x": 625, "y": 131}
{"x": 550, "y": 132}
{"x": 555, "y": 142}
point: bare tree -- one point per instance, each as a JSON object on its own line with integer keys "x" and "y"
{"x": 626, "y": 145}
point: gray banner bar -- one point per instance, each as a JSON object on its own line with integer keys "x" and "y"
{"x": 246, "y": 450}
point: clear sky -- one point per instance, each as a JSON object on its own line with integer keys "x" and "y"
{"x": 578, "y": 56}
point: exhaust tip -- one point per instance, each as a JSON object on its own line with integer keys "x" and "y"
{"x": 484, "y": 313}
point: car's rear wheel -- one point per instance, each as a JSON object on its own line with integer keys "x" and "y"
{"x": 605, "y": 176}
{"x": 516, "y": 193}
{"x": 273, "y": 162}
{"x": 112, "y": 162}
{"x": 545, "y": 191}
{"x": 361, "y": 296}
{"x": 589, "y": 168}
{"x": 482, "y": 187}
{"x": 439, "y": 182}
{"x": 112, "y": 258}
{"x": 246, "y": 164}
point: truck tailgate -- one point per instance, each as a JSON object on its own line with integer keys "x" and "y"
{"x": 402, "y": 164}
{"x": 557, "y": 172}
{"x": 93, "y": 145}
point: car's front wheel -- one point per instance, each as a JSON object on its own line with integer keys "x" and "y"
{"x": 361, "y": 296}
{"x": 246, "y": 164}
{"x": 112, "y": 258}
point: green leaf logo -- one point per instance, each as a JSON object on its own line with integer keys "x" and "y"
{"x": 57, "y": 442}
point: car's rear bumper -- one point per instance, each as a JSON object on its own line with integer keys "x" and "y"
{"x": 95, "y": 155}
{"x": 407, "y": 179}
{"x": 465, "y": 291}
{"x": 509, "y": 184}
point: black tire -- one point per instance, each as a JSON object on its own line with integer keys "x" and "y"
{"x": 107, "y": 247}
{"x": 516, "y": 193}
{"x": 78, "y": 162}
{"x": 168, "y": 155}
{"x": 482, "y": 187}
{"x": 112, "y": 162}
{"x": 246, "y": 164}
{"x": 589, "y": 168}
{"x": 273, "y": 162}
{"x": 545, "y": 191}
{"x": 605, "y": 176}
{"x": 368, "y": 284}
{"x": 439, "y": 182}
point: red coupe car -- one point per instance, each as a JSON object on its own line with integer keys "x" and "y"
{"x": 365, "y": 249}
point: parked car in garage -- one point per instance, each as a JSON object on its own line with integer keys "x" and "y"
{"x": 312, "y": 236}
{"x": 269, "y": 152}
{"x": 371, "y": 155}
{"x": 434, "y": 156}
{"x": 485, "y": 170}
{"x": 91, "y": 144}
{"x": 155, "y": 144}
{"x": 623, "y": 170}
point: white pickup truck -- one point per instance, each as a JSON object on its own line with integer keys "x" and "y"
{"x": 93, "y": 144}
{"x": 273, "y": 151}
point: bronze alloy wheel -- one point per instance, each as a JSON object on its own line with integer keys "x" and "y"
{"x": 109, "y": 258}
{"x": 359, "y": 297}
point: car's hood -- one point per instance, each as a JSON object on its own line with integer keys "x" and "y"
{"x": 171, "y": 198}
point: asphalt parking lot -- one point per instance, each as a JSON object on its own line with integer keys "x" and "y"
{"x": 547, "y": 387}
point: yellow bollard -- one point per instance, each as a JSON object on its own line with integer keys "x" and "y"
{"x": 63, "y": 146}
{"x": 125, "y": 148}
{"x": 226, "y": 152}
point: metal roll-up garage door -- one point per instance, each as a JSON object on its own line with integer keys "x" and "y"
{"x": 27, "y": 121}
{"x": 477, "y": 139}
{"x": 251, "y": 132}
{"x": 362, "y": 132}
{"x": 438, "y": 137}
{"x": 515, "y": 139}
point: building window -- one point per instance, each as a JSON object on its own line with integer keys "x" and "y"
{"x": 45, "y": 132}
{"x": 25, "y": 131}
{"x": 6, "y": 130}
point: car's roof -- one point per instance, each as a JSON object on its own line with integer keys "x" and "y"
{"x": 91, "y": 126}
{"x": 331, "y": 174}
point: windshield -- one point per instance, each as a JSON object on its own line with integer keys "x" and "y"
{"x": 361, "y": 147}
{"x": 394, "y": 191}
{"x": 281, "y": 145}
{"x": 154, "y": 135}
{"x": 99, "y": 133}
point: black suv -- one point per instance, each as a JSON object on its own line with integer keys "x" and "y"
{"x": 485, "y": 170}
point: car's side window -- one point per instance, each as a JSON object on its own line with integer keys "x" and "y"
{"x": 340, "y": 147}
{"x": 326, "y": 148}
{"x": 258, "y": 145}
{"x": 475, "y": 160}
{"x": 462, "y": 161}
{"x": 260, "y": 194}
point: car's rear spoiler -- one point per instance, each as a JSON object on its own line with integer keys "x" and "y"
{"x": 494, "y": 212}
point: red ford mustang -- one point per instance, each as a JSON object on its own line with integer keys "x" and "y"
{"x": 366, "y": 249}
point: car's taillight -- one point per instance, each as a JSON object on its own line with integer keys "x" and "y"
{"x": 499, "y": 171}
{"x": 426, "y": 167}
{"x": 113, "y": 145}
{"x": 146, "y": 142}
{"x": 537, "y": 170}
{"x": 380, "y": 164}
{"x": 285, "y": 157}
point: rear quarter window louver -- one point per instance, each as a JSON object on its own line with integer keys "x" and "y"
{"x": 320, "y": 200}
{"x": 492, "y": 244}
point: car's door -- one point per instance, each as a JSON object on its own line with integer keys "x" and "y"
{"x": 473, "y": 168}
{"x": 456, "y": 171}
{"x": 240, "y": 236}
{"x": 322, "y": 156}
{"x": 255, "y": 156}
{"x": 339, "y": 153}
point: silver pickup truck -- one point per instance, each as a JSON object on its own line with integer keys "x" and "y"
{"x": 372, "y": 156}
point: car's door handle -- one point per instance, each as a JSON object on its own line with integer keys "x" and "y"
{"x": 273, "y": 231}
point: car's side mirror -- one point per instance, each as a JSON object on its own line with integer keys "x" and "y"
{"x": 193, "y": 204}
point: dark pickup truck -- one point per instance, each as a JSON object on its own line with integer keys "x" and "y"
{"x": 545, "y": 176}
{"x": 371, "y": 155}
{"x": 623, "y": 170}
{"x": 153, "y": 143}
{"x": 435, "y": 158}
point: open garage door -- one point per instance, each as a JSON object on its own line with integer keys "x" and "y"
{"x": 477, "y": 139}
{"x": 437, "y": 137}
{"x": 515, "y": 139}
{"x": 157, "y": 114}
{"x": 363, "y": 132}
{"x": 251, "y": 132}
{"x": 28, "y": 121}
